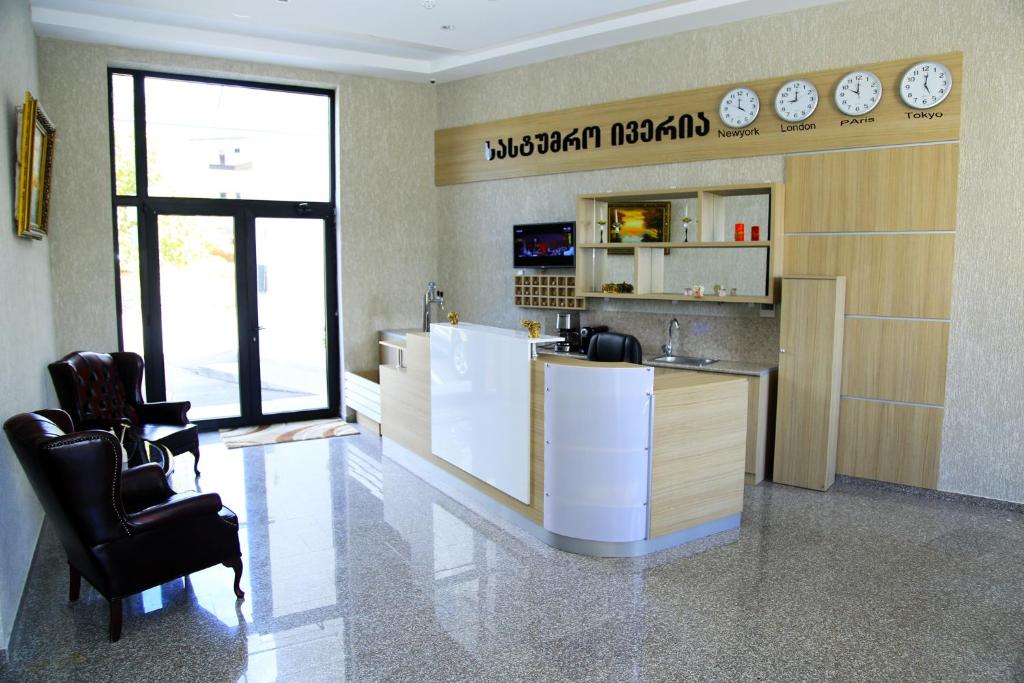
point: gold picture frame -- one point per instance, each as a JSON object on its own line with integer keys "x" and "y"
{"x": 36, "y": 137}
{"x": 640, "y": 222}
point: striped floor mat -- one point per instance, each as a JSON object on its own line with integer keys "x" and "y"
{"x": 284, "y": 432}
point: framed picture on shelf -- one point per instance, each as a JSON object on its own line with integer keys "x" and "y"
{"x": 36, "y": 136}
{"x": 639, "y": 222}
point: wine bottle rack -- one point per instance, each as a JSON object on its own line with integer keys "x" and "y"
{"x": 548, "y": 291}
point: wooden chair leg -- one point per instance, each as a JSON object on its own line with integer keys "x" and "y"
{"x": 75, "y": 588}
{"x": 116, "y": 614}
{"x": 236, "y": 564}
{"x": 195, "y": 467}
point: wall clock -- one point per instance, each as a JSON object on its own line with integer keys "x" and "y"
{"x": 858, "y": 92}
{"x": 926, "y": 84}
{"x": 796, "y": 100}
{"x": 739, "y": 107}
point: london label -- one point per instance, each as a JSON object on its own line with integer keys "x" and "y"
{"x": 796, "y": 127}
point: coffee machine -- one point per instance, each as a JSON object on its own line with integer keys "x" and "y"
{"x": 567, "y": 325}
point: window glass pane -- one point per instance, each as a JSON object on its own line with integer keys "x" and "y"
{"x": 124, "y": 133}
{"x": 199, "y": 313}
{"x": 224, "y": 141}
{"x": 128, "y": 271}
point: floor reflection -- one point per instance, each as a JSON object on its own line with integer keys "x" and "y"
{"x": 357, "y": 570}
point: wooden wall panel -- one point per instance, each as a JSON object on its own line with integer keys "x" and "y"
{"x": 459, "y": 153}
{"x": 896, "y": 360}
{"x": 900, "y": 188}
{"x": 902, "y": 277}
{"x": 890, "y": 442}
{"x": 891, "y": 275}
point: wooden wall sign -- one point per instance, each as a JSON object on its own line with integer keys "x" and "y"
{"x": 685, "y": 126}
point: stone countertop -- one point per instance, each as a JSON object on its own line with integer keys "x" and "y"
{"x": 727, "y": 367}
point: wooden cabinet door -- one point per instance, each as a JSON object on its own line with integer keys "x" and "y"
{"x": 810, "y": 370}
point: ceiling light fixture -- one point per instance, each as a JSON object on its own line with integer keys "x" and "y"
{"x": 448, "y": 27}
{"x": 428, "y": 4}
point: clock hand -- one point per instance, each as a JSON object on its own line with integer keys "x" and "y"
{"x": 927, "y": 89}
{"x": 741, "y": 109}
{"x": 795, "y": 98}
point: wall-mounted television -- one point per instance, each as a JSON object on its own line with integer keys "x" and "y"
{"x": 544, "y": 245}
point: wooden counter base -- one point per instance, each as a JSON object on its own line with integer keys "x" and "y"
{"x": 699, "y": 449}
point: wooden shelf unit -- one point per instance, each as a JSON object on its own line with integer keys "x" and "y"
{"x": 548, "y": 291}
{"x": 711, "y": 229}
{"x": 661, "y": 296}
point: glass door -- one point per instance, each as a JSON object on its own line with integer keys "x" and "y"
{"x": 242, "y": 320}
{"x": 291, "y": 309}
{"x": 199, "y": 314}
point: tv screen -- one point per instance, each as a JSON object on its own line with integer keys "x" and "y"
{"x": 544, "y": 245}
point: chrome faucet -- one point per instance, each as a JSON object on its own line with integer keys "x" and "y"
{"x": 669, "y": 347}
{"x": 432, "y": 296}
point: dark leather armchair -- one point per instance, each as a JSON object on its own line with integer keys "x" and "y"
{"x": 123, "y": 531}
{"x": 98, "y": 390}
{"x": 611, "y": 347}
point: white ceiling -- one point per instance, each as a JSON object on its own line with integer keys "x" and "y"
{"x": 391, "y": 38}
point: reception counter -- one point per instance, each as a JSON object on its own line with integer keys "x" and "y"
{"x": 694, "y": 430}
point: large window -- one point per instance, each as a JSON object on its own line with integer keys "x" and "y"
{"x": 225, "y": 238}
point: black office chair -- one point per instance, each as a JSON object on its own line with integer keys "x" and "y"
{"x": 612, "y": 347}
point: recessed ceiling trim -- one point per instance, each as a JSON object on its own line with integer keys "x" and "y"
{"x": 442, "y": 64}
{"x": 143, "y": 35}
{"x": 618, "y": 30}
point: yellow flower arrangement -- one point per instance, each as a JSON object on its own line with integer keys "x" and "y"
{"x": 532, "y": 327}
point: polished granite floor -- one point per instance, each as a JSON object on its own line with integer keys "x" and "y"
{"x": 357, "y": 570}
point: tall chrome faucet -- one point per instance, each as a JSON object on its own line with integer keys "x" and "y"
{"x": 669, "y": 347}
{"x": 432, "y": 296}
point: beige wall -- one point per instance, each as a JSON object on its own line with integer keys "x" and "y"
{"x": 26, "y": 318}
{"x": 983, "y": 431}
{"x": 386, "y": 196}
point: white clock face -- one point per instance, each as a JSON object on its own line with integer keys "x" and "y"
{"x": 926, "y": 85}
{"x": 858, "y": 93}
{"x": 796, "y": 100}
{"x": 739, "y": 107}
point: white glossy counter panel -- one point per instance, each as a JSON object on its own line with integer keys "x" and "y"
{"x": 597, "y": 453}
{"x": 480, "y": 402}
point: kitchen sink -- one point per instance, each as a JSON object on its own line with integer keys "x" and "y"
{"x": 685, "y": 360}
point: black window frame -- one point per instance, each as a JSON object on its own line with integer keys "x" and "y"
{"x": 245, "y": 212}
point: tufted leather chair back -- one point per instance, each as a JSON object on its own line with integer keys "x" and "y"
{"x": 611, "y": 347}
{"x": 92, "y": 388}
{"x": 77, "y": 478}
